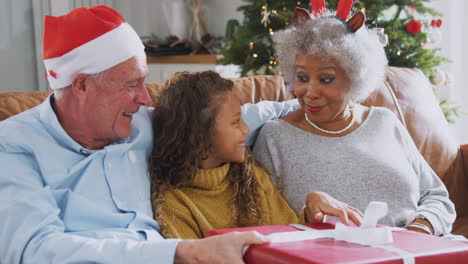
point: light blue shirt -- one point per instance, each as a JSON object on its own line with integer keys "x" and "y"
{"x": 62, "y": 203}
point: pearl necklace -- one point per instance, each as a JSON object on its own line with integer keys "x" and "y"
{"x": 329, "y": 131}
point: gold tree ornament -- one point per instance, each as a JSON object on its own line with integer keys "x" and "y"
{"x": 198, "y": 27}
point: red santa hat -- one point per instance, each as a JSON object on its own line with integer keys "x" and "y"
{"x": 86, "y": 40}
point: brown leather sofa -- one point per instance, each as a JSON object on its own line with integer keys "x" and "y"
{"x": 406, "y": 92}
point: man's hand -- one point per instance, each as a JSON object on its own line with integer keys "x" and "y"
{"x": 319, "y": 204}
{"x": 225, "y": 248}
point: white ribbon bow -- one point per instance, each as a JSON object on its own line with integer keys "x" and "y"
{"x": 367, "y": 234}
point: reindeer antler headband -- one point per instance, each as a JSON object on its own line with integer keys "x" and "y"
{"x": 301, "y": 15}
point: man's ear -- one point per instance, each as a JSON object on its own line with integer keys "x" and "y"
{"x": 80, "y": 83}
{"x": 300, "y": 16}
{"x": 357, "y": 21}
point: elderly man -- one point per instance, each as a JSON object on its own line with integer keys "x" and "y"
{"x": 73, "y": 182}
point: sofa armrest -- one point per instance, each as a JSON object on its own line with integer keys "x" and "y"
{"x": 456, "y": 180}
{"x": 13, "y": 103}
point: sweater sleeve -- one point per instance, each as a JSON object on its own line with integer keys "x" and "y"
{"x": 434, "y": 203}
{"x": 178, "y": 222}
{"x": 279, "y": 211}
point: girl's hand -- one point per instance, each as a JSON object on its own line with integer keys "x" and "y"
{"x": 320, "y": 204}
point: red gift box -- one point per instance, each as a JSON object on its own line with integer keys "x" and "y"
{"x": 425, "y": 248}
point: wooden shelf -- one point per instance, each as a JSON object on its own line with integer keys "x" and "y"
{"x": 185, "y": 59}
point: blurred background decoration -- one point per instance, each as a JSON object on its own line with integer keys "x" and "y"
{"x": 183, "y": 39}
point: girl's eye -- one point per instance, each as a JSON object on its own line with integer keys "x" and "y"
{"x": 326, "y": 79}
{"x": 302, "y": 78}
{"x": 237, "y": 122}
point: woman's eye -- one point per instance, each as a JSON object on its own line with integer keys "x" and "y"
{"x": 302, "y": 78}
{"x": 237, "y": 122}
{"x": 326, "y": 79}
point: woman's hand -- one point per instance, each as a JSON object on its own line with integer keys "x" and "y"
{"x": 319, "y": 204}
{"x": 416, "y": 226}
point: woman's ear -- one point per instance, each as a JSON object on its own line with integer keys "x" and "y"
{"x": 300, "y": 16}
{"x": 357, "y": 21}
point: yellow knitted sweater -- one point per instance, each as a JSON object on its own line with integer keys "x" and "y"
{"x": 190, "y": 212}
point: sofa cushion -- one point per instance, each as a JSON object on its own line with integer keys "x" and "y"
{"x": 408, "y": 93}
{"x": 13, "y": 103}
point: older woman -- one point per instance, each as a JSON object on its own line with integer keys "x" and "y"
{"x": 335, "y": 145}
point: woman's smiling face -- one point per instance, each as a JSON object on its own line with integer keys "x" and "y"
{"x": 323, "y": 89}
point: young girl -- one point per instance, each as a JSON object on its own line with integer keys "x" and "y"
{"x": 203, "y": 176}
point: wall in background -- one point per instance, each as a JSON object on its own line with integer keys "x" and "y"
{"x": 147, "y": 16}
{"x": 17, "y": 46}
{"x": 453, "y": 46}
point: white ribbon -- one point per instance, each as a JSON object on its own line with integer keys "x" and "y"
{"x": 283, "y": 237}
{"x": 367, "y": 234}
{"x": 407, "y": 257}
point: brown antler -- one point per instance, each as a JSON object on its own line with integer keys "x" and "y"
{"x": 300, "y": 16}
{"x": 357, "y": 21}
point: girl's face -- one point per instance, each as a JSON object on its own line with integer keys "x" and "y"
{"x": 230, "y": 133}
{"x": 322, "y": 88}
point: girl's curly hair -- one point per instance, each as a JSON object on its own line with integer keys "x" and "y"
{"x": 183, "y": 125}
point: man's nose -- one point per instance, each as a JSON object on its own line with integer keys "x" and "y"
{"x": 143, "y": 97}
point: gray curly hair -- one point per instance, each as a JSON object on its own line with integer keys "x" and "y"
{"x": 361, "y": 55}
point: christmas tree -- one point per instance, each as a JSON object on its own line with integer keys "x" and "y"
{"x": 412, "y": 31}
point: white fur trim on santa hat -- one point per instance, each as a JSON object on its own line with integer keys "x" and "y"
{"x": 97, "y": 55}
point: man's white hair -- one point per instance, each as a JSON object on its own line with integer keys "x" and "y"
{"x": 98, "y": 77}
{"x": 361, "y": 55}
